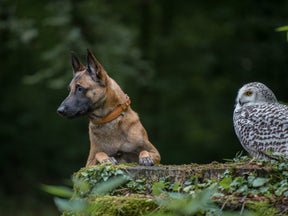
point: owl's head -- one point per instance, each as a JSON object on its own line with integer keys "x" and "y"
{"x": 254, "y": 93}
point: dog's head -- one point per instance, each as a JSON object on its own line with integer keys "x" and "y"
{"x": 87, "y": 88}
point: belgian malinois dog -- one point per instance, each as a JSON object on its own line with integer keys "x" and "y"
{"x": 116, "y": 133}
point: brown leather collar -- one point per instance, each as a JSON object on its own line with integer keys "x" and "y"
{"x": 119, "y": 110}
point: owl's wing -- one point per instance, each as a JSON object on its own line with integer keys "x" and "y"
{"x": 262, "y": 129}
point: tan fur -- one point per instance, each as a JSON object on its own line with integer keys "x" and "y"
{"x": 124, "y": 135}
{"x": 124, "y": 138}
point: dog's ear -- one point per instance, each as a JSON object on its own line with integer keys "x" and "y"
{"x": 76, "y": 64}
{"x": 94, "y": 68}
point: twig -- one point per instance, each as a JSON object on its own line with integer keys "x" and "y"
{"x": 242, "y": 208}
{"x": 156, "y": 209}
{"x": 222, "y": 207}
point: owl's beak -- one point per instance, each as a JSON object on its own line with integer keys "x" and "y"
{"x": 241, "y": 102}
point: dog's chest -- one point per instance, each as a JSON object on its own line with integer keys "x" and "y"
{"x": 110, "y": 138}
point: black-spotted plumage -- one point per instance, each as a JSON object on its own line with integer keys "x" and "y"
{"x": 260, "y": 122}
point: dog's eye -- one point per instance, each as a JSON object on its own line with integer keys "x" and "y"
{"x": 80, "y": 88}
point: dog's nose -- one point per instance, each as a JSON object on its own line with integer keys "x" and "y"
{"x": 61, "y": 110}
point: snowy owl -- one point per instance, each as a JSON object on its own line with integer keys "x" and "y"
{"x": 260, "y": 122}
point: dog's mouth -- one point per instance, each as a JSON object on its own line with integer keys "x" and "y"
{"x": 71, "y": 108}
{"x": 72, "y": 114}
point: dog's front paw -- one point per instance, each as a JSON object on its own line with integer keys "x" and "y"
{"x": 146, "y": 161}
{"x": 110, "y": 160}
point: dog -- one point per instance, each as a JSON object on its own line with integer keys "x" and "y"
{"x": 115, "y": 131}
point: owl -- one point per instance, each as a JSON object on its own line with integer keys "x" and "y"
{"x": 260, "y": 122}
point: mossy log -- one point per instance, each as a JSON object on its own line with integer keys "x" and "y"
{"x": 180, "y": 173}
{"x": 256, "y": 177}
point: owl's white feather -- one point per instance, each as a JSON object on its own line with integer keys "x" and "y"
{"x": 260, "y": 122}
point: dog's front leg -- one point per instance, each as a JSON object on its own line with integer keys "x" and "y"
{"x": 98, "y": 157}
{"x": 145, "y": 159}
{"x": 96, "y": 154}
{"x": 102, "y": 157}
{"x": 149, "y": 158}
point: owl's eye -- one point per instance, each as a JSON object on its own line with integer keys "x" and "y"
{"x": 248, "y": 93}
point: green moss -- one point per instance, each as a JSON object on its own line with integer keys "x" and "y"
{"x": 263, "y": 208}
{"x": 86, "y": 178}
{"x": 94, "y": 170}
{"x": 118, "y": 206}
{"x": 132, "y": 195}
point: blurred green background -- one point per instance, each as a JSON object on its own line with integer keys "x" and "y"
{"x": 181, "y": 63}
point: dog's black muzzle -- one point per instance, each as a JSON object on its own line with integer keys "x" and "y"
{"x": 73, "y": 107}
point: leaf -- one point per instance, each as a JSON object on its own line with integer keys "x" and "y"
{"x": 258, "y": 182}
{"x": 237, "y": 182}
{"x": 84, "y": 174}
{"x": 158, "y": 188}
{"x": 200, "y": 202}
{"x": 264, "y": 190}
{"x": 76, "y": 205}
{"x": 58, "y": 190}
{"x": 243, "y": 190}
{"x": 188, "y": 182}
{"x": 251, "y": 179}
{"x": 175, "y": 195}
{"x": 83, "y": 187}
{"x": 119, "y": 172}
{"x": 285, "y": 193}
{"x": 176, "y": 186}
{"x": 225, "y": 183}
{"x": 282, "y": 28}
{"x": 187, "y": 188}
{"x": 104, "y": 187}
{"x": 281, "y": 190}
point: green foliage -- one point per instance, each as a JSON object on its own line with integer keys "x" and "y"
{"x": 158, "y": 188}
{"x": 263, "y": 208}
{"x": 114, "y": 205}
{"x": 181, "y": 65}
{"x": 102, "y": 172}
{"x": 98, "y": 181}
{"x": 238, "y": 157}
{"x": 110, "y": 176}
{"x": 197, "y": 204}
{"x": 196, "y": 196}
{"x": 225, "y": 183}
{"x": 251, "y": 184}
{"x": 283, "y": 28}
{"x": 138, "y": 186}
{"x": 112, "y": 42}
{"x": 58, "y": 190}
{"x": 75, "y": 205}
{"x": 174, "y": 204}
